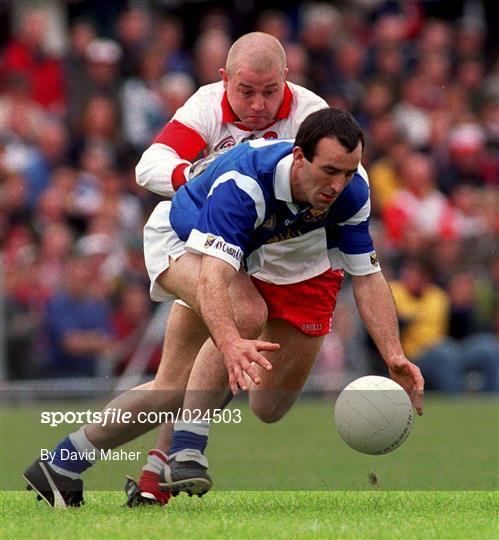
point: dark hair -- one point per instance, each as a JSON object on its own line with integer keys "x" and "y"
{"x": 330, "y": 123}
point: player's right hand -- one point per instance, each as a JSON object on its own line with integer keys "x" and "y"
{"x": 239, "y": 357}
{"x": 202, "y": 164}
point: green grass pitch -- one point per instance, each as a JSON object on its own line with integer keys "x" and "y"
{"x": 294, "y": 479}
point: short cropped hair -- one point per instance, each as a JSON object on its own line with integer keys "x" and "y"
{"x": 329, "y": 123}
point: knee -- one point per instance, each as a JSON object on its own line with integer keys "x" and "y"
{"x": 269, "y": 415}
{"x": 251, "y": 316}
{"x": 270, "y": 408}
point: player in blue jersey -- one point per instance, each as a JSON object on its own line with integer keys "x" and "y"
{"x": 202, "y": 245}
{"x": 201, "y": 248}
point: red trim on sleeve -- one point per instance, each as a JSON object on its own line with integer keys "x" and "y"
{"x": 178, "y": 178}
{"x": 184, "y": 140}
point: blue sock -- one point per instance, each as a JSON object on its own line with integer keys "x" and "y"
{"x": 193, "y": 436}
{"x": 74, "y": 455}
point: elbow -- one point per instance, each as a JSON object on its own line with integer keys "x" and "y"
{"x": 141, "y": 176}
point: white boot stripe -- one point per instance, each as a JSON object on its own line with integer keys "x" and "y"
{"x": 58, "y": 499}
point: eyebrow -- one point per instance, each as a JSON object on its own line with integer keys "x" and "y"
{"x": 333, "y": 168}
{"x": 266, "y": 87}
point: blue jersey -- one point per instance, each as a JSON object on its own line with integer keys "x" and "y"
{"x": 243, "y": 202}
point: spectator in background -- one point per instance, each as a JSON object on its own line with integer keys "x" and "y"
{"x": 20, "y": 119}
{"x": 469, "y": 38}
{"x": 320, "y": 25}
{"x": 81, "y": 34}
{"x": 210, "y": 52}
{"x": 378, "y": 97}
{"x": 77, "y": 324}
{"x": 56, "y": 204}
{"x": 175, "y": 89}
{"x": 489, "y": 119}
{"x": 129, "y": 321}
{"x": 470, "y": 75}
{"x": 216, "y": 20}
{"x": 465, "y": 164}
{"x": 168, "y": 36}
{"x": 143, "y": 114}
{"x": 99, "y": 128}
{"x": 426, "y": 313}
{"x": 103, "y": 246}
{"x": 390, "y": 63}
{"x": 410, "y": 112}
{"x": 348, "y": 64}
{"x": 384, "y": 173}
{"x": 466, "y": 306}
{"x": 388, "y": 46}
{"x": 277, "y": 24}
{"x": 469, "y": 213}
{"x": 436, "y": 37}
{"x": 132, "y": 30}
{"x": 441, "y": 122}
{"x": 23, "y": 318}
{"x": 55, "y": 246}
{"x": 101, "y": 77}
{"x": 51, "y": 151}
{"x": 474, "y": 332}
{"x": 20, "y": 116}
{"x": 446, "y": 256}
{"x": 14, "y": 210}
{"x": 383, "y": 130}
{"x": 435, "y": 70}
{"x": 423, "y": 311}
{"x": 418, "y": 204}
{"x": 135, "y": 271}
{"x": 297, "y": 63}
{"x": 27, "y": 55}
{"x": 94, "y": 162}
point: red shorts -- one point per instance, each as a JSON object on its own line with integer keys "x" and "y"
{"x": 307, "y": 305}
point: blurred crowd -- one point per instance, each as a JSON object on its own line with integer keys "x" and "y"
{"x": 74, "y": 122}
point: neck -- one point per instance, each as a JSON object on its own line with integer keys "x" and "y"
{"x": 296, "y": 191}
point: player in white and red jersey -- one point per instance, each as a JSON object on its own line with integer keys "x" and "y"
{"x": 252, "y": 100}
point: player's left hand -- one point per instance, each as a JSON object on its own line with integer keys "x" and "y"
{"x": 239, "y": 357}
{"x": 408, "y": 375}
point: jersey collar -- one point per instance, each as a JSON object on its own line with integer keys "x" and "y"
{"x": 282, "y": 179}
{"x": 229, "y": 116}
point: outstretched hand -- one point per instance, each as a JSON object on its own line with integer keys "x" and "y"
{"x": 239, "y": 357}
{"x": 408, "y": 375}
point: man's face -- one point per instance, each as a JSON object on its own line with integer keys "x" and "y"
{"x": 320, "y": 181}
{"x": 255, "y": 97}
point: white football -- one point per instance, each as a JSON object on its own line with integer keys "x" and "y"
{"x": 373, "y": 415}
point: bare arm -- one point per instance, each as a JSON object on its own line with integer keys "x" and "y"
{"x": 377, "y": 310}
{"x": 213, "y": 299}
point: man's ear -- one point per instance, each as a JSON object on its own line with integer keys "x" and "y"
{"x": 224, "y": 76}
{"x": 298, "y": 157}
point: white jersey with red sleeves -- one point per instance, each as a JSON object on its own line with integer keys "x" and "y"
{"x": 207, "y": 123}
